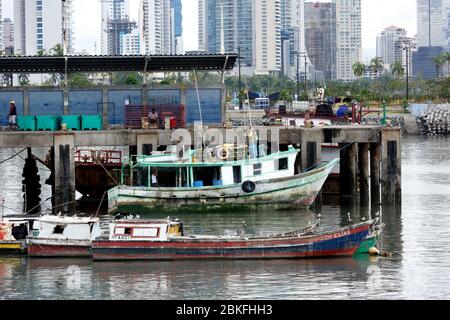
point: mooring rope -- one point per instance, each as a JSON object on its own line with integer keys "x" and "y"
{"x": 15, "y": 155}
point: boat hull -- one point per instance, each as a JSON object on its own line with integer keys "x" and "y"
{"x": 294, "y": 192}
{"x": 332, "y": 244}
{"x": 366, "y": 245}
{"x": 12, "y": 247}
{"x": 59, "y": 248}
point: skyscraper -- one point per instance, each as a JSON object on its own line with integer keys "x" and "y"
{"x": 320, "y": 22}
{"x": 177, "y": 41}
{"x": 112, "y": 10}
{"x": 1, "y": 26}
{"x": 293, "y": 24}
{"x": 251, "y": 26}
{"x": 8, "y": 36}
{"x": 430, "y": 23}
{"x": 348, "y": 37}
{"x": 40, "y": 25}
{"x": 386, "y": 42}
{"x": 156, "y": 26}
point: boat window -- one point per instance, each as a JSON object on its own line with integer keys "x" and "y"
{"x": 257, "y": 169}
{"x": 123, "y": 231}
{"x": 207, "y": 177}
{"x": 237, "y": 176}
{"x": 146, "y": 232}
{"x": 59, "y": 229}
{"x": 283, "y": 164}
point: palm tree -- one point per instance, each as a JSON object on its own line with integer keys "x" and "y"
{"x": 377, "y": 65}
{"x": 447, "y": 59}
{"x": 359, "y": 69}
{"x": 397, "y": 69}
{"x": 439, "y": 61}
{"x": 24, "y": 79}
{"x": 54, "y": 79}
{"x": 57, "y": 50}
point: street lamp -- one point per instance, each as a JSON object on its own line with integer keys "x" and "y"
{"x": 304, "y": 54}
{"x": 240, "y": 82}
{"x": 406, "y": 47}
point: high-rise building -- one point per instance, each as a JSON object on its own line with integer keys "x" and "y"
{"x": 40, "y": 25}
{"x": 348, "y": 37}
{"x": 430, "y": 23}
{"x": 252, "y": 27}
{"x": 131, "y": 43}
{"x": 156, "y": 26}
{"x": 446, "y": 19}
{"x": 112, "y": 10}
{"x": 386, "y": 44}
{"x": 293, "y": 23}
{"x": 320, "y": 22}
{"x": 8, "y": 36}
{"x": 1, "y": 26}
{"x": 178, "y": 27}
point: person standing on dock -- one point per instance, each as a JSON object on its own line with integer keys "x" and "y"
{"x": 153, "y": 119}
{"x": 12, "y": 115}
{"x": 154, "y": 183}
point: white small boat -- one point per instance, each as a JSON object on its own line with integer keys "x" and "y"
{"x": 61, "y": 236}
{"x": 14, "y": 232}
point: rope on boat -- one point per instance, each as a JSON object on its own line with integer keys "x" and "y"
{"x": 96, "y": 159}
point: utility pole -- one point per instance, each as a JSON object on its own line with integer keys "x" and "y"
{"x": 240, "y": 81}
{"x": 407, "y": 47}
{"x": 298, "y": 74}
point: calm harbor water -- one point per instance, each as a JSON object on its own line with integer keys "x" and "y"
{"x": 416, "y": 234}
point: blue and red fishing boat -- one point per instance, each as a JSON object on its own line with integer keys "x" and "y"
{"x": 164, "y": 240}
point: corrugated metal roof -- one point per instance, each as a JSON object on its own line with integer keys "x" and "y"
{"x": 156, "y": 63}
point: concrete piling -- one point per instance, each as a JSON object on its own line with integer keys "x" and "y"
{"x": 363, "y": 166}
{"x": 64, "y": 144}
{"x": 391, "y": 166}
{"x": 375, "y": 178}
{"x": 348, "y": 172}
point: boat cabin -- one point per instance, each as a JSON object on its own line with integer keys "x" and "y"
{"x": 145, "y": 230}
{"x": 16, "y": 228}
{"x": 219, "y": 167}
{"x": 62, "y": 228}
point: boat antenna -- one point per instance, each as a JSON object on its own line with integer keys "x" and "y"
{"x": 199, "y": 110}
{"x": 100, "y": 205}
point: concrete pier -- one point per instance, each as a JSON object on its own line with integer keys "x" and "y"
{"x": 348, "y": 171}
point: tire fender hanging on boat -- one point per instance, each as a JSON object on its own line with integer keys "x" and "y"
{"x": 248, "y": 186}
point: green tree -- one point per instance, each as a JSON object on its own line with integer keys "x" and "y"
{"x": 377, "y": 66}
{"x": 439, "y": 61}
{"x": 24, "y": 79}
{"x": 397, "y": 69}
{"x": 57, "y": 50}
{"x": 359, "y": 69}
{"x": 80, "y": 80}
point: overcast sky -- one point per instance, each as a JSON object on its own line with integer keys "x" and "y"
{"x": 377, "y": 15}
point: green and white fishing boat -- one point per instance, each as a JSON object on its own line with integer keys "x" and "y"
{"x": 223, "y": 180}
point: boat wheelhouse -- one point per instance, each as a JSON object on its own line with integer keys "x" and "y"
{"x": 223, "y": 178}
{"x": 61, "y": 236}
{"x": 14, "y": 231}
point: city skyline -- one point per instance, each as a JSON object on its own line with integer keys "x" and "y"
{"x": 376, "y": 16}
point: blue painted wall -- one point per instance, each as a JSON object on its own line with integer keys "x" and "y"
{"x": 162, "y": 96}
{"x": 211, "y": 106}
{"x": 5, "y": 98}
{"x": 116, "y": 106}
{"x": 83, "y": 102}
{"x": 43, "y": 103}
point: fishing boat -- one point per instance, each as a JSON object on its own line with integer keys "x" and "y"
{"x": 14, "y": 232}
{"x": 223, "y": 180}
{"x": 63, "y": 236}
{"x": 372, "y": 238}
{"x": 165, "y": 240}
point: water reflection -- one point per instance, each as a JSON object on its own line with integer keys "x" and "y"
{"x": 416, "y": 234}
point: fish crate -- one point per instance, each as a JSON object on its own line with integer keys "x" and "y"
{"x": 72, "y": 122}
{"x": 47, "y": 123}
{"x": 92, "y": 122}
{"x": 26, "y": 123}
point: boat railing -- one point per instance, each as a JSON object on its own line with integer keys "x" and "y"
{"x": 105, "y": 157}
